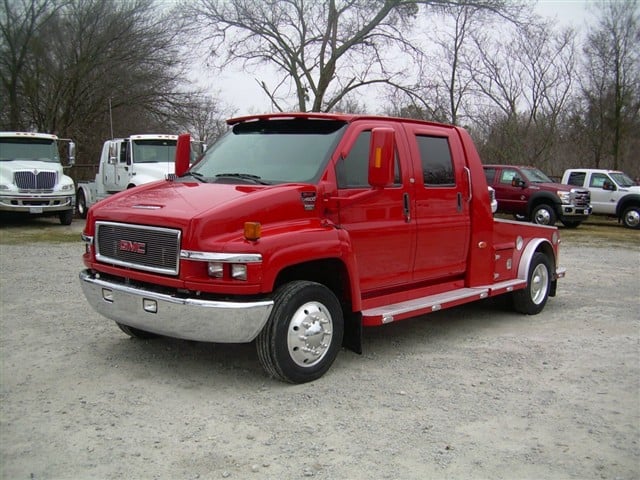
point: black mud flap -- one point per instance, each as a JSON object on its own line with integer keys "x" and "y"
{"x": 352, "y": 339}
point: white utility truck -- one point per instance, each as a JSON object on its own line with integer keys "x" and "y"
{"x": 613, "y": 193}
{"x": 32, "y": 181}
{"x": 126, "y": 163}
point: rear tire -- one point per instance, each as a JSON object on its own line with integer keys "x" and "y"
{"x": 571, "y": 223}
{"x": 631, "y": 217}
{"x": 532, "y": 299}
{"x": 543, "y": 214}
{"x": 304, "y": 332}
{"x": 136, "y": 333}
{"x": 81, "y": 204}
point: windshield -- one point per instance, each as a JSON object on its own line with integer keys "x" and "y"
{"x": 153, "y": 151}
{"x": 536, "y": 176}
{"x": 271, "y": 151}
{"x": 622, "y": 179}
{"x": 43, "y": 149}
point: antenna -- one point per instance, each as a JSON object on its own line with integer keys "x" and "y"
{"x": 110, "y": 118}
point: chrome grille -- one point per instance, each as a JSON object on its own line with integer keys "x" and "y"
{"x": 28, "y": 180}
{"x": 141, "y": 247}
{"x": 580, "y": 198}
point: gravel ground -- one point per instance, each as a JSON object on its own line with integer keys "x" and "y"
{"x": 476, "y": 392}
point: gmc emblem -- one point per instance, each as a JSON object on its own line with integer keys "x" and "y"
{"x": 134, "y": 247}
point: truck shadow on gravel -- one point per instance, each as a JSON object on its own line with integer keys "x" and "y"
{"x": 182, "y": 361}
{"x": 190, "y": 364}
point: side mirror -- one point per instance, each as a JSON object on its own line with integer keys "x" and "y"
{"x": 183, "y": 154}
{"x": 72, "y": 154}
{"x": 113, "y": 153}
{"x": 381, "y": 157}
{"x": 607, "y": 185}
{"x": 517, "y": 182}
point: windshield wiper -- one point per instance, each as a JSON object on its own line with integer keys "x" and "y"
{"x": 196, "y": 175}
{"x": 244, "y": 176}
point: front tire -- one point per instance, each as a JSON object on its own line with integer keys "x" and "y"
{"x": 304, "y": 332}
{"x": 543, "y": 215}
{"x": 631, "y": 217}
{"x": 532, "y": 299}
{"x": 66, "y": 217}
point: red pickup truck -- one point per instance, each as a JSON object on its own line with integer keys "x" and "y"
{"x": 295, "y": 230}
{"x": 527, "y": 193}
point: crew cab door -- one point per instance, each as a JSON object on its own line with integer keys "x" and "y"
{"x": 110, "y": 159}
{"x": 123, "y": 166}
{"x": 381, "y": 225}
{"x": 511, "y": 199}
{"x": 442, "y": 198}
{"x": 603, "y": 201}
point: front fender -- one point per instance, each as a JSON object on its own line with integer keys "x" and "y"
{"x": 314, "y": 241}
{"x": 626, "y": 201}
{"x": 543, "y": 197}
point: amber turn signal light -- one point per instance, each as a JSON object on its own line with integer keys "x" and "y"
{"x": 252, "y": 231}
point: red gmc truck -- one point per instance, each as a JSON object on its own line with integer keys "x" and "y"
{"x": 296, "y": 230}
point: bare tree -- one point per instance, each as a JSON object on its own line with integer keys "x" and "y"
{"x": 204, "y": 116}
{"x": 20, "y": 22}
{"x": 611, "y": 86}
{"x": 524, "y": 84}
{"x": 93, "y": 51}
{"x": 322, "y": 50}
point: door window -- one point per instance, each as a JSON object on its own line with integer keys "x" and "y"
{"x": 598, "y": 179}
{"x": 353, "y": 170}
{"x": 437, "y": 166}
{"x": 508, "y": 175}
{"x": 490, "y": 174}
{"x": 576, "y": 178}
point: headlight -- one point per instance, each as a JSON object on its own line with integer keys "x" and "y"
{"x": 239, "y": 271}
{"x": 67, "y": 187}
{"x": 565, "y": 197}
{"x": 216, "y": 269}
{"x": 4, "y": 187}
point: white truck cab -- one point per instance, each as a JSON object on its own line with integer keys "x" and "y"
{"x": 32, "y": 181}
{"x": 613, "y": 193}
{"x": 126, "y": 163}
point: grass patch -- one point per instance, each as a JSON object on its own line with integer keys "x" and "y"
{"x": 601, "y": 232}
{"x": 18, "y": 230}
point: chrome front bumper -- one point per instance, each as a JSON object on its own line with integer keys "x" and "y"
{"x": 37, "y": 204}
{"x": 568, "y": 211}
{"x": 186, "y": 318}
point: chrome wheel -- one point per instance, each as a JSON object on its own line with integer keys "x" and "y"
{"x": 539, "y": 284}
{"x": 543, "y": 215}
{"x": 310, "y": 332}
{"x": 631, "y": 217}
{"x": 532, "y": 299}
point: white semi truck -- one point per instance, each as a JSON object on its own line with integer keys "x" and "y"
{"x": 32, "y": 181}
{"x": 126, "y": 163}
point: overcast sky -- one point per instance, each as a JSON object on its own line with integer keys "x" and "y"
{"x": 240, "y": 89}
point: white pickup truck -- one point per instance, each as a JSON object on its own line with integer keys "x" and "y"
{"x": 126, "y": 163}
{"x": 32, "y": 181}
{"x": 612, "y": 193}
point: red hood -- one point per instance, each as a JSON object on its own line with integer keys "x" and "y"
{"x": 213, "y": 207}
{"x": 551, "y": 186}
